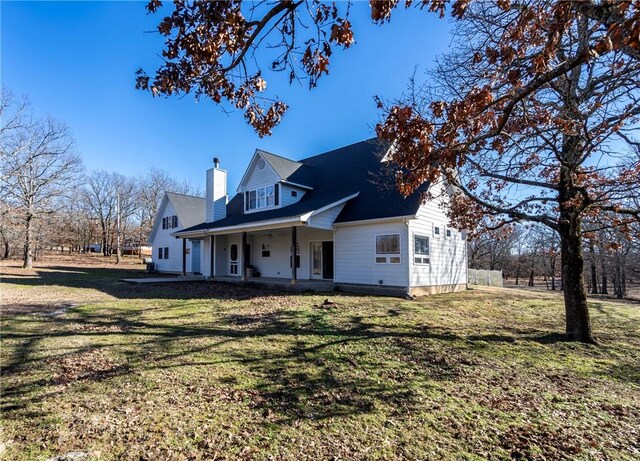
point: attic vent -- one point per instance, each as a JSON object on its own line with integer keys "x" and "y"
{"x": 261, "y": 164}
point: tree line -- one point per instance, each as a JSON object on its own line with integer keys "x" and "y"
{"x": 48, "y": 200}
{"x": 530, "y": 256}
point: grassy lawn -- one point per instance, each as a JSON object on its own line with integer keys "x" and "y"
{"x": 212, "y": 371}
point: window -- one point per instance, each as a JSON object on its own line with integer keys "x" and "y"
{"x": 448, "y": 233}
{"x": 159, "y": 253}
{"x": 388, "y": 249}
{"x": 266, "y": 250}
{"x": 420, "y": 249}
{"x": 260, "y": 198}
{"x": 169, "y": 222}
{"x": 436, "y": 231}
{"x": 268, "y": 192}
{"x": 166, "y": 252}
{"x": 294, "y": 193}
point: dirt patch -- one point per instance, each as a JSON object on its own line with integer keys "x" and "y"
{"x": 47, "y": 310}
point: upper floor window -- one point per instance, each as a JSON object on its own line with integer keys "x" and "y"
{"x": 170, "y": 222}
{"x": 263, "y": 197}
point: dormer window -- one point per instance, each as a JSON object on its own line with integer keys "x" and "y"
{"x": 264, "y": 197}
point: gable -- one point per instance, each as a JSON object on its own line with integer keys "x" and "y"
{"x": 162, "y": 211}
{"x": 190, "y": 210}
{"x": 259, "y": 173}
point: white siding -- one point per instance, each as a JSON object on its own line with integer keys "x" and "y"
{"x": 325, "y": 219}
{"x": 355, "y": 255}
{"x": 448, "y": 259}
{"x": 163, "y": 238}
{"x": 285, "y": 194}
{"x": 216, "y": 190}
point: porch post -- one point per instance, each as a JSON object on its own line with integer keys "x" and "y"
{"x": 184, "y": 257}
{"x": 212, "y": 249}
{"x": 294, "y": 269}
{"x": 243, "y": 260}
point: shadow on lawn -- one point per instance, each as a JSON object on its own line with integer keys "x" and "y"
{"x": 108, "y": 280}
{"x": 332, "y": 368}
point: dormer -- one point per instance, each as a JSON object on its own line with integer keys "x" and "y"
{"x": 271, "y": 181}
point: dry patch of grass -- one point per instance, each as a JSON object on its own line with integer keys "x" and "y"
{"x": 213, "y": 371}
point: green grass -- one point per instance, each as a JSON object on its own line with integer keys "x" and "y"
{"x": 211, "y": 371}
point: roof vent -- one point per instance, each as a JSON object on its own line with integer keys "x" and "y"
{"x": 216, "y": 162}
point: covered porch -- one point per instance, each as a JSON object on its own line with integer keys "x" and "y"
{"x": 293, "y": 257}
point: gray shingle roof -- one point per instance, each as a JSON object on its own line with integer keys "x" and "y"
{"x": 189, "y": 209}
{"x": 289, "y": 170}
{"x": 337, "y": 174}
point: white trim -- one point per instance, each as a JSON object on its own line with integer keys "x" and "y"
{"x": 305, "y": 217}
{"x": 302, "y": 186}
{"x": 254, "y": 226}
{"x": 393, "y": 148}
{"x": 160, "y": 212}
{"x": 376, "y": 220}
{"x": 299, "y": 220}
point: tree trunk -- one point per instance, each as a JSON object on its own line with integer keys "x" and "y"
{"x": 575, "y": 297}
{"x": 604, "y": 289}
{"x": 618, "y": 282}
{"x": 517, "y": 273}
{"x": 594, "y": 275}
{"x": 28, "y": 251}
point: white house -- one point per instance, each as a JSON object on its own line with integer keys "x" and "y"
{"x": 331, "y": 220}
{"x": 177, "y": 212}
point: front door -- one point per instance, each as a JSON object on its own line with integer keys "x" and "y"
{"x": 195, "y": 257}
{"x": 327, "y": 260}
{"x": 233, "y": 259}
{"x": 316, "y": 260}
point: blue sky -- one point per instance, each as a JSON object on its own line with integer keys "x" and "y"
{"x": 77, "y": 60}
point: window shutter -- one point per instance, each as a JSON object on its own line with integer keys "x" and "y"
{"x": 246, "y": 201}
{"x": 175, "y": 221}
{"x": 276, "y": 192}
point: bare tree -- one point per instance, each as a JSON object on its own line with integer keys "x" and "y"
{"x": 99, "y": 195}
{"x": 39, "y": 166}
